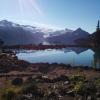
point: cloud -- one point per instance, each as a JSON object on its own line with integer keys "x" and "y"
{"x": 38, "y": 24}
{"x": 48, "y": 26}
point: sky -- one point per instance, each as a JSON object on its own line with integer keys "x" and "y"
{"x": 56, "y": 14}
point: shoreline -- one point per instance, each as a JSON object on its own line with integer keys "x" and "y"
{"x": 43, "y": 47}
{"x": 10, "y": 66}
{"x": 60, "y": 80}
{"x": 52, "y": 70}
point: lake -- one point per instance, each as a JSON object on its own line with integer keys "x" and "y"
{"x": 71, "y": 55}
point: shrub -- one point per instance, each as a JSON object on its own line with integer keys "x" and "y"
{"x": 77, "y": 78}
{"x": 17, "y": 81}
{"x": 89, "y": 88}
{"x": 78, "y": 88}
{"x": 30, "y": 88}
{"x": 30, "y": 80}
{"x": 8, "y": 95}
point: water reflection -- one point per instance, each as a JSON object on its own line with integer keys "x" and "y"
{"x": 77, "y": 50}
{"x": 96, "y": 57}
{"x": 71, "y": 55}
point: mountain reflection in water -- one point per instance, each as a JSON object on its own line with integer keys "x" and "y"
{"x": 71, "y": 55}
{"x": 77, "y": 50}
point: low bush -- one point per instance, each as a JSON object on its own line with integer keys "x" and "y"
{"x": 17, "y": 81}
{"x": 8, "y": 95}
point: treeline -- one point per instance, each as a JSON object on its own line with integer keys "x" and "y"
{"x": 43, "y": 47}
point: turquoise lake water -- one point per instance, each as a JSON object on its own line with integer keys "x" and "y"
{"x": 73, "y": 56}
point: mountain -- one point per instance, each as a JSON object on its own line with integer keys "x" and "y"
{"x": 57, "y": 32}
{"x": 69, "y": 38}
{"x": 13, "y": 34}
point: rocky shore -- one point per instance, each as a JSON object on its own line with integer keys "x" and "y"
{"x": 21, "y": 80}
{"x": 10, "y": 63}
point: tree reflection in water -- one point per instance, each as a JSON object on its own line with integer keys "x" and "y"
{"x": 97, "y": 58}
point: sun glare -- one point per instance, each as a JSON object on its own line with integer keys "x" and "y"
{"x": 21, "y": 6}
{"x": 29, "y": 4}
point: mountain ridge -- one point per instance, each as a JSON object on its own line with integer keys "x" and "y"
{"x": 13, "y": 34}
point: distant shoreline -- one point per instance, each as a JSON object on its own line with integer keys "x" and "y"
{"x": 43, "y": 47}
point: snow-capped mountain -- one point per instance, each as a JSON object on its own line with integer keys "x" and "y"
{"x": 59, "y": 32}
{"x": 68, "y": 37}
{"x": 13, "y": 34}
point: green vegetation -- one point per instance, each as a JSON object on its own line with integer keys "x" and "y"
{"x": 8, "y": 95}
{"x": 17, "y": 81}
{"x": 78, "y": 86}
